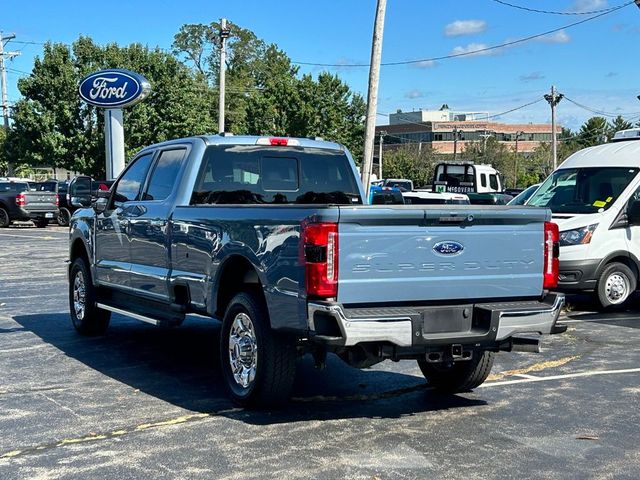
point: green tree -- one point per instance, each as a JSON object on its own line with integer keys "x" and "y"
{"x": 593, "y": 132}
{"x": 411, "y": 161}
{"x": 618, "y": 124}
{"x": 53, "y": 127}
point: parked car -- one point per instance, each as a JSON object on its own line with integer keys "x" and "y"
{"x": 271, "y": 236}
{"x": 79, "y": 193}
{"x": 19, "y": 203}
{"x": 523, "y": 196}
{"x": 402, "y": 184}
{"x": 595, "y": 199}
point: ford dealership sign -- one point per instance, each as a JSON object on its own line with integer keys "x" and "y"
{"x": 114, "y": 88}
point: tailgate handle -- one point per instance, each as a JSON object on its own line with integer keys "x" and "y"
{"x": 456, "y": 219}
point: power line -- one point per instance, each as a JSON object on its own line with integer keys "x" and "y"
{"x": 551, "y": 12}
{"x": 600, "y": 112}
{"x": 473, "y": 52}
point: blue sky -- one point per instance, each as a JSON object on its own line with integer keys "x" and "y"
{"x": 593, "y": 64}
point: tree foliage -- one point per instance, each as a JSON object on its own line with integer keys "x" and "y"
{"x": 53, "y": 127}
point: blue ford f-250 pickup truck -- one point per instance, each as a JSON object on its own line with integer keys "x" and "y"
{"x": 271, "y": 236}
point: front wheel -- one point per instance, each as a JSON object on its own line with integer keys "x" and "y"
{"x": 462, "y": 376}
{"x": 258, "y": 364}
{"x": 87, "y": 318}
{"x": 615, "y": 285}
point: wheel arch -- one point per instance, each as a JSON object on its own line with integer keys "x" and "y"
{"x": 624, "y": 257}
{"x": 236, "y": 274}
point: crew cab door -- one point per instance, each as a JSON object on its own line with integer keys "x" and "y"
{"x": 112, "y": 250}
{"x": 148, "y": 220}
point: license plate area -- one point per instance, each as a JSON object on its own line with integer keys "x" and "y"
{"x": 48, "y": 215}
{"x": 447, "y": 319}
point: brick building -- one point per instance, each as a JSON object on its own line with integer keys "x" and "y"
{"x": 438, "y": 129}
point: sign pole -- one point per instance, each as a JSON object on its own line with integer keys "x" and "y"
{"x": 114, "y": 142}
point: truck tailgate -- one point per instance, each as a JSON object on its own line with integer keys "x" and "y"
{"x": 396, "y": 254}
{"x": 40, "y": 201}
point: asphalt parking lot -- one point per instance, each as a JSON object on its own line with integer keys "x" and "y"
{"x": 143, "y": 402}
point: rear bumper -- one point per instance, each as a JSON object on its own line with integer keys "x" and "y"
{"x": 479, "y": 323}
{"x": 49, "y": 213}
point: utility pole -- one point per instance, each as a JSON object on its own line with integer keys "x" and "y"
{"x": 515, "y": 174}
{"x": 4, "y": 39}
{"x": 380, "y": 142}
{"x": 372, "y": 95}
{"x": 484, "y": 136}
{"x": 554, "y": 99}
{"x": 224, "y": 34}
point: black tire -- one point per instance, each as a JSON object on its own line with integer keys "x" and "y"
{"x": 41, "y": 222}
{"x": 64, "y": 216}
{"x": 615, "y": 285}
{"x": 459, "y": 376}
{"x": 5, "y": 219}
{"x": 273, "y": 364}
{"x": 90, "y": 320}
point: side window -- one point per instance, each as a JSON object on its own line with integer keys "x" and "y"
{"x": 165, "y": 174}
{"x": 128, "y": 187}
{"x": 483, "y": 179}
{"x": 493, "y": 182}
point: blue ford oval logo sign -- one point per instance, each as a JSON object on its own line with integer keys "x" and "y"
{"x": 448, "y": 248}
{"x": 114, "y": 88}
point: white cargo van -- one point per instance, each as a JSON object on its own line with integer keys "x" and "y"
{"x": 595, "y": 199}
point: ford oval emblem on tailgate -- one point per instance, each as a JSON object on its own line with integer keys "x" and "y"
{"x": 448, "y": 248}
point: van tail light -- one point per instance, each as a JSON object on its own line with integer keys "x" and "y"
{"x": 57, "y": 200}
{"x": 551, "y": 255}
{"x": 21, "y": 200}
{"x": 319, "y": 255}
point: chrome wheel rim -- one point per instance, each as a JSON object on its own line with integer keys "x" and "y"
{"x": 243, "y": 350}
{"x": 617, "y": 288}
{"x": 79, "y": 293}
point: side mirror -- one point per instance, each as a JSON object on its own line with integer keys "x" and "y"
{"x": 100, "y": 205}
{"x": 633, "y": 213}
{"x": 80, "y": 202}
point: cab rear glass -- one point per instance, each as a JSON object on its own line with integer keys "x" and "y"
{"x": 250, "y": 174}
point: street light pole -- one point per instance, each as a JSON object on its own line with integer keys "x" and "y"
{"x": 380, "y": 142}
{"x": 224, "y": 34}
{"x": 457, "y": 134}
{"x": 515, "y": 174}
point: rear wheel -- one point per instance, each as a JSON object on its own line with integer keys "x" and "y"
{"x": 5, "y": 220}
{"x": 63, "y": 217}
{"x": 258, "y": 364}
{"x": 615, "y": 285}
{"x": 87, "y": 318}
{"x": 462, "y": 376}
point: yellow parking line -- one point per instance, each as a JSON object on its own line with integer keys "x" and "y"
{"x": 560, "y": 377}
{"x": 536, "y": 367}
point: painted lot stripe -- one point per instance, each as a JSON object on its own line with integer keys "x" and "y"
{"x": 603, "y": 320}
{"x": 59, "y": 237}
{"x": 560, "y": 377}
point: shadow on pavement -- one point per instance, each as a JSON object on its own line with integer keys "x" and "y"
{"x": 181, "y": 366}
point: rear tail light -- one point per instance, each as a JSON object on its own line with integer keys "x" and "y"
{"x": 551, "y": 255}
{"x": 319, "y": 255}
{"x": 21, "y": 200}
{"x": 57, "y": 200}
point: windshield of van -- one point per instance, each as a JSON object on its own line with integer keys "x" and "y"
{"x": 582, "y": 190}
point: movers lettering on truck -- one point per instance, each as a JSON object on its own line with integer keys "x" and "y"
{"x": 272, "y": 236}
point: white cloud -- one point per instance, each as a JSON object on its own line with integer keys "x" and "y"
{"x": 465, "y": 27}
{"x": 414, "y": 94}
{"x": 558, "y": 37}
{"x": 581, "y": 6}
{"x": 533, "y": 76}
{"x": 473, "y": 49}
{"x": 425, "y": 64}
